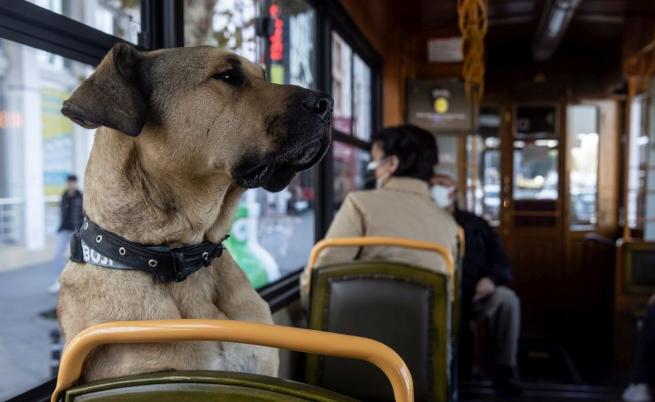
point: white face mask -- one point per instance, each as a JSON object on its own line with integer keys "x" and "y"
{"x": 441, "y": 195}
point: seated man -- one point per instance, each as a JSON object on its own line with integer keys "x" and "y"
{"x": 400, "y": 206}
{"x": 486, "y": 272}
{"x": 643, "y": 371}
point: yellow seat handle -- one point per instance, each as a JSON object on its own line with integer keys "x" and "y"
{"x": 381, "y": 241}
{"x": 297, "y": 339}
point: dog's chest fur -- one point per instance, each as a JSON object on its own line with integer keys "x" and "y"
{"x": 112, "y": 294}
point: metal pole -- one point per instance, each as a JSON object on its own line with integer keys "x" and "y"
{"x": 474, "y": 157}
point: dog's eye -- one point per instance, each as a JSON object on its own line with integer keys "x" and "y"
{"x": 232, "y": 77}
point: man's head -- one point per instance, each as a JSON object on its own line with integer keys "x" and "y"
{"x": 403, "y": 151}
{"x": 201, "y": 111}
{"x": 444, "y": 189}
{"x": 71, "y": 183}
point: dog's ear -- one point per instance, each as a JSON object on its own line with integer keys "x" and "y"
{"x": 114, "y": 95}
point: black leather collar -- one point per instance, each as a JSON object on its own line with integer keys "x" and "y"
{"x": 92, "y": 244}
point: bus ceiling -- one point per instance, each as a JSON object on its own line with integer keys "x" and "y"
{"x": 555, "y": 47}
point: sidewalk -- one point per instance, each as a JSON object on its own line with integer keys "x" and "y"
{"x": 15, "y": 257}
{"x": 24, "y": 333}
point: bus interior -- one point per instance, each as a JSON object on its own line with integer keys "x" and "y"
{"x": 543, "y": 112}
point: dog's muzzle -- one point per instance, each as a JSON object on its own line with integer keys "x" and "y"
{"x": 306, "y": 129}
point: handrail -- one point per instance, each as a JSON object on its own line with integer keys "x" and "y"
{"x": 381, "y": 241}
{"x": 297, "y": 339}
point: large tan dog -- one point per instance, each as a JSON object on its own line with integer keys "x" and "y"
{"x": 181, "y": 134}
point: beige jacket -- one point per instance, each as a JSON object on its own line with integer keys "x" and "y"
{"x": 402, "y": 208}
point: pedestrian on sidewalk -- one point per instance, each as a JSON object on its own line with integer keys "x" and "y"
{"x": 72, "y": 216}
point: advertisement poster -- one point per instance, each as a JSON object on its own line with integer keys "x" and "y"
{"x": 57, "y": 142}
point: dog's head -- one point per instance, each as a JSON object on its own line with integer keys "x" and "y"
{"x": 203, "y": 110}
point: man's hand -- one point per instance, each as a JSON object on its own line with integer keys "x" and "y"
{"x": 484, "y": 288}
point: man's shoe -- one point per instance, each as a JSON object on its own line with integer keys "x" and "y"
{"x": 506, "y": 382}
{"x": 637, "y": 393}
{"x": 54, "y": 288}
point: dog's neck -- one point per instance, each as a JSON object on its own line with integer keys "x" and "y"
{"x": 150, "y": 206}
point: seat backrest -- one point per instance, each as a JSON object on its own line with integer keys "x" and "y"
{"x": 275, "y": 336}
{"x": 215, "y": 386}
{"x": 405, "y": 307}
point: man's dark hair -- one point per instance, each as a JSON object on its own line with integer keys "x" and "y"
{"x": 71, "y": 177}
{"x": 416, "y": 149}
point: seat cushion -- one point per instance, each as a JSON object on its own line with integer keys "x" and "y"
{"x": 182, "y": 386}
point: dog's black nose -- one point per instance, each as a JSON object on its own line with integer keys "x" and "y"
{"x": 321, "y": 105}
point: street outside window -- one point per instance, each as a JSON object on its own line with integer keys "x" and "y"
{"x": 486, "y": 200}
{"x": 349, "y": 164}
{"x": 583, "y": 171}
{"x": 121, "y": 18}
{"x": 39, "y": 149}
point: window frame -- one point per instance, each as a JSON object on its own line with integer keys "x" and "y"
{"x": 333, "y": 17}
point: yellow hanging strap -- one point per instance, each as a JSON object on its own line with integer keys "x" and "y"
{"x": 473, "y": 24}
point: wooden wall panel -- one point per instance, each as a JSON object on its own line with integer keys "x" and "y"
{"x": 608, "y": 167}
{"x": 537, "y": 264}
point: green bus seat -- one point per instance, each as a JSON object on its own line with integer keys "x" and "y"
{"x": 218, "y": 386}
{"x": 405, "y": 307}
{"x": 196, "y": 386}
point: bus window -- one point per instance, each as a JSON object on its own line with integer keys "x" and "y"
{"x": 272, "y": 233}
{"x": 226, "y": 24}
{"x": 39, "y": 149}
{"x": 641, "y": 169}
{"x": 349, "y": 170}
{"x": 535, "y": 154}
{"x": 361, "y": 99}
{"x": 352, "y": 119}
{"x": 649, "y": 218}
{"x": 486, "y": 199}
{"x": 637, "y": 173}
{"x": 121, "y": 18}
{"x": 582, "y": 121}
{"x": 341, "y": 85}
{"x": 448, "y": 150}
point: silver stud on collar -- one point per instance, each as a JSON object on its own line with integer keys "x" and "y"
{"x": 122, "y": 251}
{"x": 205, "y": 256}
{"x": 98, "y": 238}
{"x": 86, "y": 225}
{"x": 152, "y": 263}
